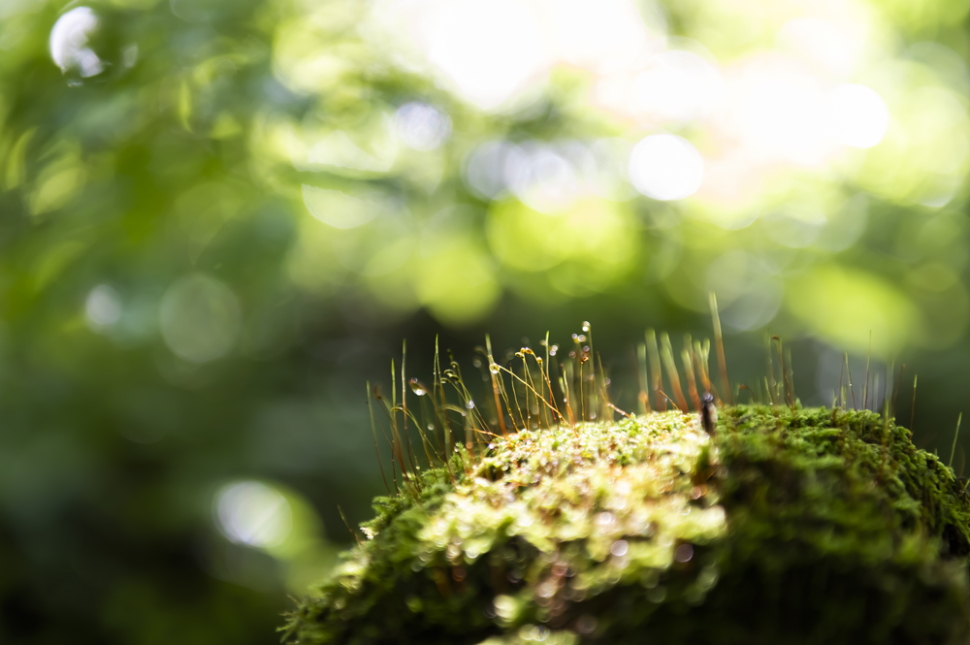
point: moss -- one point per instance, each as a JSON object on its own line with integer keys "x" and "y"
{"x": 803, "y": 526}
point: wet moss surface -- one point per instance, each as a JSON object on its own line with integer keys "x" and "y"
{"x": 804, "y": 526}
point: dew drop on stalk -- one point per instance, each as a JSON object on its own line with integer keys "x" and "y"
{"x": 417, "y": 387}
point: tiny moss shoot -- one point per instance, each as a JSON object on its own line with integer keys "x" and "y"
{"x": 771, "y": 524}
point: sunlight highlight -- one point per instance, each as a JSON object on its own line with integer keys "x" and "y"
{"x": 253, "y": 514}
{"x": 666, "y": 167}
{"x": 488, "y": 51}
{"x": 858, "y": 116}
{"x": 69, "y": 42}
{"x": 601, "y": 36}
{"x": 678, "y": 86}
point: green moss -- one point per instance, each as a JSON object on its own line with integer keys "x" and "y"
{"x": 804, "y": 526}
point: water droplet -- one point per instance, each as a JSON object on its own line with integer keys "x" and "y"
{"x": 418, "y": 388}
{"x": 494, "y": 368}
{"x": 620, "y": 548}
{"x": 553, "y": 350}
{"x": 470, "y": 404}
{"x": 586, "y": 327}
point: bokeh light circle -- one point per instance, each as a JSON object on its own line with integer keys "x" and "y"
{"x": 666, "y": 167}
{"x": 200, "y": 318}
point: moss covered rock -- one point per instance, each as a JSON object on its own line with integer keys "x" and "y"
{"x": 804, "y": 526}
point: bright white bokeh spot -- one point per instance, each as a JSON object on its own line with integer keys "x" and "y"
{"x": 338, "y": 209}
{"x": 666, "y": 167}
{"x": 69, "y": 40}
{"x": 601, "y": 35}
{"x": 678, "y": 86}
{"x": 421, "y": 126}
{"x": 254, "y": 514}
{"x": 488, "y": 50}
{"x": 781, "y": 113}
{"x": 102, "y": 307}
{"x": 858, "y": 116}
{"x": 833, "y": 46}
{"x": 199, "y": 318}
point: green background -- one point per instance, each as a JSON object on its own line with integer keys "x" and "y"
{"x": 218, "y": 229}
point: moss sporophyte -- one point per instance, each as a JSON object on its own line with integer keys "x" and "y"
{"x": 758, "y": 524}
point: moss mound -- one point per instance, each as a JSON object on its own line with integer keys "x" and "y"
{"x": 804, "y": 526}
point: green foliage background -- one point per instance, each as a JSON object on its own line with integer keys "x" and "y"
{"x": 198, "y": 275}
